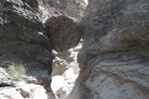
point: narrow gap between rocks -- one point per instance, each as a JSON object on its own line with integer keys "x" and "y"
{"x": 65, "y": 71}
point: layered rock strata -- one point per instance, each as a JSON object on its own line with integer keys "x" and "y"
{"x": 114, "y": 58}
{"x": 23, "y": 37}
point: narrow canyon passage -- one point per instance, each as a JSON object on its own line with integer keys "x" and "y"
{"x": 65, "y": 71}
{"x": 112, "y": 62}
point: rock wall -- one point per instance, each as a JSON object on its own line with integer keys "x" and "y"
{"x": 71, "y": 8}
{"x": 26, "y": 48}
{"x": 22, "y": 36}
{"x": 114, "y": 57}
{"x": 25, "y": 51}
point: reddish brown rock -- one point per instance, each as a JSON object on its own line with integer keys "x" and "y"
{"x": 63, "y": 32}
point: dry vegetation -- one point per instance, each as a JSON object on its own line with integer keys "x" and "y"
{"x": 17, "y": 71}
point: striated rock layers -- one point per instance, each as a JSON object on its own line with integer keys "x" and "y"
{"x": 114, "y": 57}
{"x": 22, "y": 36}
{"x": 71, "y": 8}
{"x": 26, "y": 48}
{"x": 25, "y": 52}
{"x": 114, "y": 60}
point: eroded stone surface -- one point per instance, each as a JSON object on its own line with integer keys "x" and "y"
{"x": 70, "y": 8}
{"x": 114, "y": 57}
{"x": 65, "y": 71}
{"x": 113, "y": 60}
{"x": 10, "y": 93}
{"x": 23, "y": 42}
{"x": 22, "y": 37}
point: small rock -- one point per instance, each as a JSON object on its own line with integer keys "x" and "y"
{"x": 59, "y": 86}
{"x": 10, "y": 93}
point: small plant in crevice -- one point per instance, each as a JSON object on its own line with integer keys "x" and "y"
{"x": 17, "y": 71}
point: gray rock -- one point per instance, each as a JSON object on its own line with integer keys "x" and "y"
{"x": 4, "y": 78}
{"x": 22, "y": 36}
{"x": 114, "y": 57}
{"x": 65, "y": 69}
{"x": 10, "y": 93}
{"x": 23, "y": 42}
{"x": 71, "y": 8}
{"x": 22, "y": 90}
{"x": 32, "y": 3}
{"x": 33, "y": 91}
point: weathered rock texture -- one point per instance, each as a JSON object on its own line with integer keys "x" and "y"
{"x": 72, "y": 8}
{"x": 63, "y": 32}
{"x": 23, "y": 40}
{"x": 114, "y": 58}
{"x": 27, "y": 88}
{"x": 32, "y": 4}
{"x": 22, "y": 36}
{"x": 65, "y": 71}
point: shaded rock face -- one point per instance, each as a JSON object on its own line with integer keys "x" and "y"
{"x": 32, "y": 3}
{"x": 114, "y": 58}
{"x": 23, "y": 37}
{"x": 72, "y": 8}
{"x": 63, "y": 32}
{"x": 23, "y": 41}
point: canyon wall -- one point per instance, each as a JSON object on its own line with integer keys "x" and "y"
{"x": 114, "y": 58}
{"x": 70, "y": 8}
{"x": 26, "y": 47}
{"x": 114, "y": 54}
{"x": 22, "y": 35}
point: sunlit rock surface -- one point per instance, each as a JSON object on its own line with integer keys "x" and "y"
{"x": 114, "y": 57}
{"x": 70, "y": 8}
{"x": 65, "y": 71}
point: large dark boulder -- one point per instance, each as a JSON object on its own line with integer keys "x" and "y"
{"x": 63, "y": 32}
